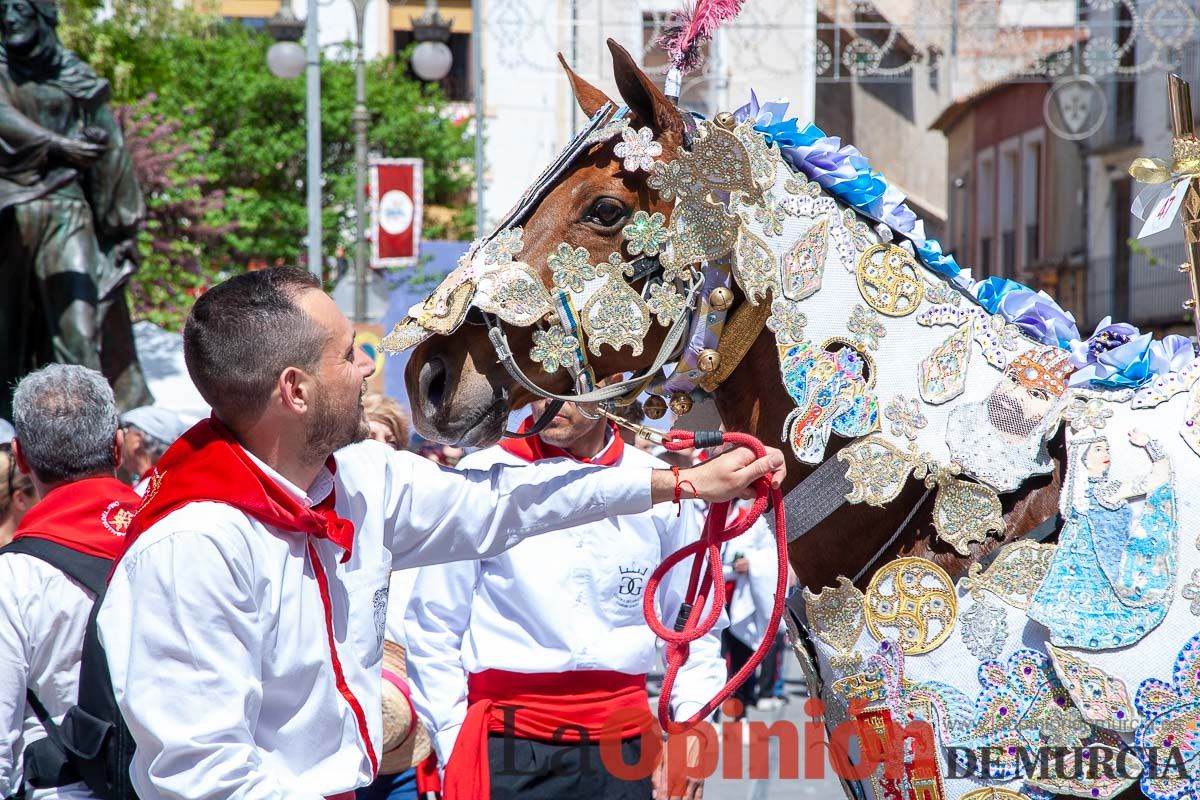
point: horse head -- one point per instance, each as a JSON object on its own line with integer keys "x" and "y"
{"x": 573, "y": 220}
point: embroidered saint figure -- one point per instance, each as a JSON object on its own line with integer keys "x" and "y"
{"x": 1111, "y": 578}
{"x": 1001, "y": 441}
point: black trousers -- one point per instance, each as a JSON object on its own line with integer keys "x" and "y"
{"x": 738, "y": 654}
{"x": 533, "y": 770}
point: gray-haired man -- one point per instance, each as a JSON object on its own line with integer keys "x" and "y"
{"x": 67, "y": 441}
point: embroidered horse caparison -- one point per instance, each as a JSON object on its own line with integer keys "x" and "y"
{"x": 1084, "y": 647}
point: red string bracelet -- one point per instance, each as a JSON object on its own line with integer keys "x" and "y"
{"x": 679, "y": 484}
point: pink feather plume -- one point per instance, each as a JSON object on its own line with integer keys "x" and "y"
{"x": 692, "y": 26}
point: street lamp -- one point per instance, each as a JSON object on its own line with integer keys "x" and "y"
{"x": 286, "y": 59}
{"x": 431, "y": 59}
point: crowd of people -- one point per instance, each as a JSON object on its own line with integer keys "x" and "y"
{"x": 291, "y": 602}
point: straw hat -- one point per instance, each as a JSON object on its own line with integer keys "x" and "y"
{"x": 406, "y": 742}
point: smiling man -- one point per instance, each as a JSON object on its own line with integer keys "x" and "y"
{"x": 243, "y": 623}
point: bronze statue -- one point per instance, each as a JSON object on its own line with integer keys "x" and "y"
{"x": 70, "y": 207}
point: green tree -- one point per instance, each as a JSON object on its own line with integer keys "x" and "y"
{"x": 239, "y": 133}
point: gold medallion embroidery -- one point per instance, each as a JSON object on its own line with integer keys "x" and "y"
{"x": 911, "y": 600}
{"x": 889, "y": 279}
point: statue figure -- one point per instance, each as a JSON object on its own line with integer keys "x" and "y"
{"x": 70, "y": 207}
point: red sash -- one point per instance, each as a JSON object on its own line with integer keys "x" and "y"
{"x": 547, "y": 704}
{"x": 532, "y": 448}
{"x": 90, "y": 516}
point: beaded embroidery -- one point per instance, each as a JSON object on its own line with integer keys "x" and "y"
{"x": 615, "y": 315}
{"x": 992, "y": 334}
{"x": 804, "y": 263}
{"x": 1191, "y": 591}
{"x": 514, "y": 293}
{"x": 944, "y": 371}
{"x": 1172, "y": 720}
{"x": 1190, "y": 429}
{"x": 646, "y": 234}
{"x": 1164, "y": 387}
{"x": 837, "y": 616}
{"x": 1101, "y": 698}
{"x": 984, "y": 629}
{"x": 1112, "y": 575}
{"x": 964, "y": 512}
{"x": 1014, "y": 575}
{"x": 831, "y": 389}
{"x": 911, "y": 600}
{"x": 755, "y": 267}
{"x": 890, "y": 280}
{"x": 570, "y": 267}
{"x": 787, "y": 322}
{"x": 905, "y": 417}
{"x": 876, "y": 468}
{"x": 553, "y": 348}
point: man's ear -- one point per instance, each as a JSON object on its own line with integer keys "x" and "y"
{"x": 295, "y": 389}
{"x": 19, "y": 456}
{"x": 118, "y": 448}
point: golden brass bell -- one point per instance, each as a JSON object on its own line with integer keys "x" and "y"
{"x": 681, "y": 403}
{"x": 655, "y": 407}
{"x": 708, "y": 360}
{"x": 726, "y": 120}
{"x": 720, "y": 298}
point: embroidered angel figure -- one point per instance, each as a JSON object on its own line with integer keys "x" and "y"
{"x": 1111, "y": 578}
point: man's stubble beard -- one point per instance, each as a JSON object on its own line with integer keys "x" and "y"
{"x": 334, "y": 428}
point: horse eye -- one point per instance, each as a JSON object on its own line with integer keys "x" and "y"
{"x": 605, "y": 212}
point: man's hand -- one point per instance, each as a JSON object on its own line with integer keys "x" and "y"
{"x": 729, "y": 475}
{"x": 741, "y": 566}
{"x": 77, "y": 152}
{"x": 687, "y": 788}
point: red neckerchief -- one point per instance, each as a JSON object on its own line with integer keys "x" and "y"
{"x": 208, "y": 465}
{"x": 90, "y": 516}
{"x": 532, "y": 448}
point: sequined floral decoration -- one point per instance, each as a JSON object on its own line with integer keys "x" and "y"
{"x": 570, "y": 267}
{"x": 905, "y": 416}
{"x": 964, "y": 512}
{"x": 876, "y": 468}
{"x": 860, "y": 232}
{"x": 672, "y": 179}
{"x": 646, "y": 234}
{"x": 1083, "y": 413}
{"x": 991, "y": 333}
{"x": 637, "y": 149}
{"x": 787, "y": 322}
{"x": 665, "y": 303}
{"x": 1014, "y": 574}
{"x": 754, "y": 267}
{"x": 804, "y": 262}
{"x": 943, "y": 373}
{"x": 866, "y": 327}
{"x": 1191, "y": 591}
{"x": 770, "y": 215}
{"x": 553, "y": 348}
{"x": 503, "y": 247}
{"x": 1172, "y": 718}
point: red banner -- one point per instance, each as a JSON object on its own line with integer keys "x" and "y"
{"x": 396, "y": 206}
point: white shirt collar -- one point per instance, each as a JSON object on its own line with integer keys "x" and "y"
{"x": 318, "y": 491}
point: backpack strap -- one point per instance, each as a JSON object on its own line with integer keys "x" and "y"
{"x": 91, "y": 571}
{"x": 46, "y": 761}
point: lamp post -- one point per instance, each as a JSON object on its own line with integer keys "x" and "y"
{"x": 286, "y": 59}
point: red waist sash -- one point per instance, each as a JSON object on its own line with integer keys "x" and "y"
{"x": 551, "y": 707}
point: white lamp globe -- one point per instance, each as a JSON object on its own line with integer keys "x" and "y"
{"x": 285, "y": 59}
{"x": 431, "y": 61}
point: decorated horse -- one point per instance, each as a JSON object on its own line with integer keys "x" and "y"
{"x": 983, "y": 506}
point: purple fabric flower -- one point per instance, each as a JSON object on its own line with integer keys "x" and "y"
{"x": 1039, "y": 317}
{"x": 1171, "y": 354}
{"x": 1125, "y": 366}
{"x": 1107, "y": 336}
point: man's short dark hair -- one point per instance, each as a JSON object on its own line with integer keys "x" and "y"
{"x": 242, "y": 333}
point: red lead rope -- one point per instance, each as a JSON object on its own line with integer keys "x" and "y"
{"x": 706, "y": 582}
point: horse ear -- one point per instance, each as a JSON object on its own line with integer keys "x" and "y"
{"x": 645, "y": 100}
{"x": 590, "y": 98}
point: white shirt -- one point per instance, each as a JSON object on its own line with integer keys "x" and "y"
{"x": 215, "y": 628}
{"x": 43, "y": 615}
{"x": 753, "y": 594}
{"x": 559, "y": 603}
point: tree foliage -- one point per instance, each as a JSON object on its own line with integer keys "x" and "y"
{"x": 220, "y": 142}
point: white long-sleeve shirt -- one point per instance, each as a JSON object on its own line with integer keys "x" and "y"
{"x": 43, "y": 614}
{"x": 572, "y": 601}
{"x": 215, "y": 627}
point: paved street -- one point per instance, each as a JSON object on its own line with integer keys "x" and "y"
{"x": 718, "y": 788}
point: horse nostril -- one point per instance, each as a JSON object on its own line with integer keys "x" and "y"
{"x": 433, "y": 384}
